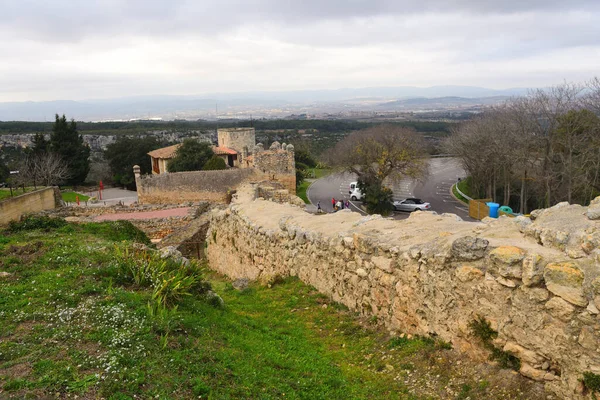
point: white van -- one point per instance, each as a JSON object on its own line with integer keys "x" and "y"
{"x": 354, "y": 192}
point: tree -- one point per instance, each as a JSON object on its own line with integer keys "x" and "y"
{"x": 379, "y": 154}
{"x": 40, "y": 144}
{"x": 66, "y": 142}
{"x": 191, "y": 156}
{"x": 46, "y": 168}
{"x": 126, "y": 152}
{"x": 4, "y": 171}
{"x": 215, "y": 163}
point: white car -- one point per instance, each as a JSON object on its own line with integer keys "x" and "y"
{"x": 354, "y": 192}
{"x": 411, "y": 204}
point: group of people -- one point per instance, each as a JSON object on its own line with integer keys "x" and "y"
{"x": 335, "y": 205}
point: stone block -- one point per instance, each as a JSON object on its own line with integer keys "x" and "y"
{"x": 566, "y": 280}
{"x": 560, "y": 309}
{"x": 469, "y": 248}
{"x": 507, "y": 261}
{"x": 533, "y": 270}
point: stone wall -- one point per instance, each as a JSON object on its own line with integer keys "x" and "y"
{"x": 536, "y": 282}
{"x": 237, "y": 138}
{"x": 44, "y": 199}
{"x": 277, "y": 165}
{"x": 178, "y": 187}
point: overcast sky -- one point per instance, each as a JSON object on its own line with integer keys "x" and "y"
{"x": 71, "y": 49}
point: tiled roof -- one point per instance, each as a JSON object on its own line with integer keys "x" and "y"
{"x": 224, "y": 150}
{"x": 169, "y": 152}
{"x": 165, "y": 152}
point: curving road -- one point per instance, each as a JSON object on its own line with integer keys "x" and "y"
{"x": 443, "y": 173}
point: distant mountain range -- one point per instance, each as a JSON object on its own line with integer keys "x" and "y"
{"x": 260, "y": 104}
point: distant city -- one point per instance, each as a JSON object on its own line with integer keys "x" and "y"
{"x": 363, "y": 103}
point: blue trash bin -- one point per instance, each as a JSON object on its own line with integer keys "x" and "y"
{"x": 493, "y": 209}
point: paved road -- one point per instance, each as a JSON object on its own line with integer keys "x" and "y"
{"x": 443, "y": 173}
{"x": 112, "y": 196}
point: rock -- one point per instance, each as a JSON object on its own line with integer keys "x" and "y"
{"x": 565, "y": 280}
{"x": 533, "y": 270}
{"x": 4, "y": 274}
{"x": 532, "y": 373}
{"x": 507, "y": 260}
{"x": 560, "y": 309}
{"x": 361, "y": 272}
{"x": 214, "y": 299}
{"x": 593, "y": 212}
{"x": 170, "y": 251}
{"x": 469, "y": 248}
{"x": 240, "y": 284}
{"x": 383, "y": 263}
{"x": 522, "y": 222}
{"x": 506, "y": 282}
{"x": 467, "y": 273}
{"x": 587, "y": 339}
{"x": 525, "y": 355}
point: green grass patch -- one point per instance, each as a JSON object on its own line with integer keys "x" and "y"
{"x": 71, "y": 197}
{"x": 5, "y": 193}
{"x": 87, "y": 312}
{"x": 465, "y": 186}
{"x": 301, "y": 191}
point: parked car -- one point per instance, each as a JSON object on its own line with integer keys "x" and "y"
{"x": 354, "y": 192}
{"x": 411, "y": 204}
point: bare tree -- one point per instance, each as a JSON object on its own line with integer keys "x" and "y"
{"x": 383, "y": 152}
{"x": 46, "y": 168}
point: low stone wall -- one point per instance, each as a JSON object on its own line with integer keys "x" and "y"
{"x": 535, "y": 282}
{"x": 179, "y": 187}
{"x": 43, "y": 199}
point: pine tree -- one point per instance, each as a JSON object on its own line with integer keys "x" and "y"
{"x": 40, "y": 144}
{"x": 66, "y": 142}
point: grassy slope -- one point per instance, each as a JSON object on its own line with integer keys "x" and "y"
{"x": 70, "y": 326}
{"x": 301, "y": 191}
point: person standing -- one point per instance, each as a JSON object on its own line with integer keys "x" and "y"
{"x": 319, "y": 210}
{"x": 347, "y": 203}
{"x": 333, "y": 203}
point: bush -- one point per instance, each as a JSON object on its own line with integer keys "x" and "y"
{"x": 33, "y": 222}
{"x": 215, "y": 163}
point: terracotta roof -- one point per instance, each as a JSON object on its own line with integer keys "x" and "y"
{"x": 165, "y": 152}
{"x": 224, "y": 150}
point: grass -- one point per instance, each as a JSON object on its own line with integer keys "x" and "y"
{"x": 71, "y": 197}
{"x": 301, "y": 191}
{"x": 465, "y": 186}
{"x": 5, "y": 193}
{"x": 79, "y": 317}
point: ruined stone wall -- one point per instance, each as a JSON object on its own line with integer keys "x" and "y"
{"x": 277, "y": 165}
{"x": 535, "y": 282}
{"x": 179, "y": 187}
{"x": 237, "y": 138}
{"x": 44, "y": 199}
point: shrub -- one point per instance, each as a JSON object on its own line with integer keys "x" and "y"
{"x": 215, "y": 163}
{"x": 33, "y": 222}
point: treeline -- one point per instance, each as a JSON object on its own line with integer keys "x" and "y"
{"x": 537, "y": 150}
{"x": 124, "y": 127}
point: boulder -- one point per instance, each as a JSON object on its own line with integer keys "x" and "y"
{"x": 469, "y": 248}
{"x": 566, "y": 280}
{"x": 560, "y": 309}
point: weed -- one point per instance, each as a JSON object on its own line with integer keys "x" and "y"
{"x": 482, "y": 329}
{"x": 591, "y": 381}
{"x": 117, "y": 231}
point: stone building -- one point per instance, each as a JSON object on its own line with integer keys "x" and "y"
{"x": 160, "y": 158}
